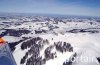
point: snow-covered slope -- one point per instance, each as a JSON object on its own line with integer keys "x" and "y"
{"x": 43, "y": 40}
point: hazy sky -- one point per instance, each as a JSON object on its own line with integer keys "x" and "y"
{"x": 66, "y": 7}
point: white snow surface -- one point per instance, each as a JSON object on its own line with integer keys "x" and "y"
{"x": 11, "y": 39}
{"x": 84, "y": 44}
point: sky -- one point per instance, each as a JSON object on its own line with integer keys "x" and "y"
{"x": 63, "y": 7}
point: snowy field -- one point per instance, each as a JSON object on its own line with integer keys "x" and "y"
{"x": 41, "y": 40}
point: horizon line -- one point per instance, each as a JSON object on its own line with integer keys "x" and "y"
{"x": 41, "y": 14}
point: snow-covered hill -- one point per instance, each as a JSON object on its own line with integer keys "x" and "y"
{"x": 41, "y": 40}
